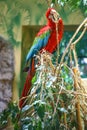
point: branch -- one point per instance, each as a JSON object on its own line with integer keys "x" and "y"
{"x": 71, "y": 40}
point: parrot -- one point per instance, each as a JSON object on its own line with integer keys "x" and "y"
{"x": 48, "y": 38}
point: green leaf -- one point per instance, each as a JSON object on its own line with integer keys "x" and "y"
{"x": 39, "y": 125}
{"x": 69, "y": 87}
{"x": 41, "y": 111}
{"x": 34, "y": 79}
{"x": 53, "y": 1}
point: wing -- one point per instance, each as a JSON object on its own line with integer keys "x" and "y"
{"x": 40, "y": 41}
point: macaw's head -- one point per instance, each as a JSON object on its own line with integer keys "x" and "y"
{"x": 52, "y": 15}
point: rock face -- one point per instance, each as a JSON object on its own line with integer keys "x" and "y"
{"x": 6, "y": 72}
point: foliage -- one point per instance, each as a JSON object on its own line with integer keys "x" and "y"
{"x": 48, "y": 105}
{"x": 73, "y": 5}
{"x": 51, "y": 101}
{"x": 10, "y": 115}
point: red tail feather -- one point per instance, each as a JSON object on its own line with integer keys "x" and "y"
{"x": 27, "y": 85}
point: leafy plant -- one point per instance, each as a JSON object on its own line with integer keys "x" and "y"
{"x": 56, "y": 100}
{"x": 10, "y": 115}
{"x": 51, "y": 101}
{"x": 73, "y": 5}
{"x": 48, "y": 102}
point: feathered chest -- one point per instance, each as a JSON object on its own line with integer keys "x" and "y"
{"x": 52, "y": 41}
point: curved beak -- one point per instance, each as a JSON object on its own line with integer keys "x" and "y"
{"x": 55, "y": 17}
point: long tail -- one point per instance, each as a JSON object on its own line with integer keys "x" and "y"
{"x": 27, "y": 84}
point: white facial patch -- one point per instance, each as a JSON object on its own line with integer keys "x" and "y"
{"x": 54, "y": 16}
{"x": 54, "y": 11}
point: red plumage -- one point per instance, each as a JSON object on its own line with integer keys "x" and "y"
{"x": 51, "y": 46}
{"x": 27, "y": 85}
{"x": 52, "y": 42}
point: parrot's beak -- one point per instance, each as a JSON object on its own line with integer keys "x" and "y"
{"x": 54, "y": 16}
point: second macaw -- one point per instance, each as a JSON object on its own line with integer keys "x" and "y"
{"x": 47, "y": 39}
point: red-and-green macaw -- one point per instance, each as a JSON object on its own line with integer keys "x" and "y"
{"x": 48, "y": 38}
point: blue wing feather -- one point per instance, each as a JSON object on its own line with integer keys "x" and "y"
{"x": 39, "y": 43}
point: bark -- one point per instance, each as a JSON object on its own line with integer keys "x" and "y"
{"x": 6, "y": 72}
